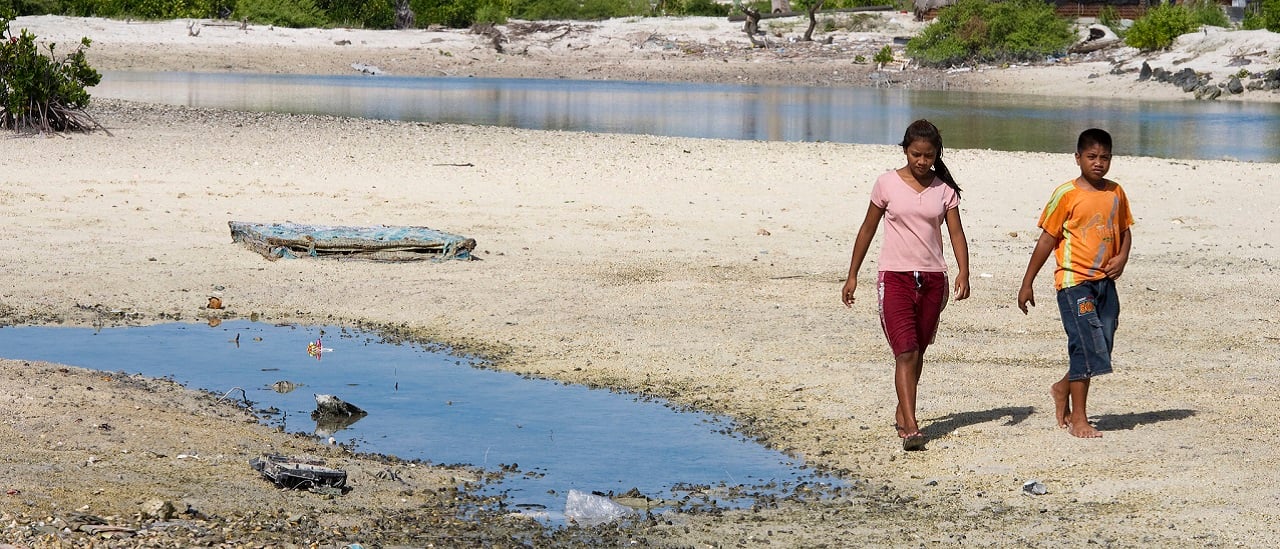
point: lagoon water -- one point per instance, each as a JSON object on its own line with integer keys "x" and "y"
{"x": 434, "y": 406}
{"x": 1180, "y": 129}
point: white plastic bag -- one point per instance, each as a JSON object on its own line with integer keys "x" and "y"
{"x": 590, "y": 509}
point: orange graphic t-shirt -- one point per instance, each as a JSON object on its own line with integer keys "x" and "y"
{"x": 1087, "y": 223}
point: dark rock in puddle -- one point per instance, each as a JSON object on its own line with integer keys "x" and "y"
{"x": 332, "y": 414}
{"x": 330, "y": 405}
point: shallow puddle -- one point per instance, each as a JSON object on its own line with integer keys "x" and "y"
{"x": 422, "y": 404}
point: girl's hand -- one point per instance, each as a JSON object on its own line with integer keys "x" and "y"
{"x": 846, "y": 293}
{"x": 961, "y": 288}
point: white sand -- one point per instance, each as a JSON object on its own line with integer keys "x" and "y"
{"x": 640, "y": 262}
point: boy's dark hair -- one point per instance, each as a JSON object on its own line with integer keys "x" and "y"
{"x": 1091, "y": 137}
{"x": 924, "y": 130}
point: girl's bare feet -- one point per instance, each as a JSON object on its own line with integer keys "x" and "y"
{"x": 1082, "y": 429}
{"x": 1061, "y": 402}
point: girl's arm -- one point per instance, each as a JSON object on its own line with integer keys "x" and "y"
{"x": 959, "y": 247}
{"x": 860, "y": 246}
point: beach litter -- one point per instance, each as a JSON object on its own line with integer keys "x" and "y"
{"x": 590, "y": 509}
{"x": 373, "y": 243}
{"x": 298, "y": 473}
{"x": 317, "y": 349}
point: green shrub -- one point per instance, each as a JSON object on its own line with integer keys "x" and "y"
{"x": 536, "y": 10}
{"x": 42, "y": 93}
{"x": 491, "y": 12}
{"x": 883, "y": 56}
{"x": 144, "y": 9}
{"x": 708, "y": 8}
{"x": 594, "y": 10}
{"x": 458, "y": 14}
{"x": 1160, "y": 27}
{"x": 30, "y": 7}
{"x": 281, "y": 13}
{"x": 369, "y": 14}
{"x": 376, "y": 14}
{"x": 979, "y": 30}
{"x": 1264, "y": 15}
{"x": 1206, "y": 12}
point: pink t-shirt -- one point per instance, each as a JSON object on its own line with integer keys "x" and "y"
{"x": 912, "y": 223}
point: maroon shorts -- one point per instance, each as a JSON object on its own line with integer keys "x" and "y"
{"x": 910, "y": 305}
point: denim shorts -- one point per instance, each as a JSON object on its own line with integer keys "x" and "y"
{"x": 1090, "y": 314}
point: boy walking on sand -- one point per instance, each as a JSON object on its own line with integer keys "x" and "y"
{"x": 1085, "y": 226}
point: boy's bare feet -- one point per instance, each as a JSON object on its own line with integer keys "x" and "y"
{"x": 1082, "y": 429}
{"x": 1061, "y": 403}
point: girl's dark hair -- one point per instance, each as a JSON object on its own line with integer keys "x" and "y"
{"x": 924, "y": 130}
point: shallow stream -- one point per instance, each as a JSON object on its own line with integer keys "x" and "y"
{"x": 430, "y": 405}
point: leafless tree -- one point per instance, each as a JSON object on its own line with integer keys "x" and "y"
{"x": 404, "y": 15}
{"x": 752, "y": 26}
{"x": 813, "y": 19}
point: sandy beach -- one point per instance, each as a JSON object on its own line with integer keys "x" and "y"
{"x": 706, "y": 272}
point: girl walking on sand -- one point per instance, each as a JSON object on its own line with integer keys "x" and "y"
{"x": 913, "y": 201}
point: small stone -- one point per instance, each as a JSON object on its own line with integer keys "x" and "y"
{"x": 1034, "y": 488}
{"x": 158, "y": 509}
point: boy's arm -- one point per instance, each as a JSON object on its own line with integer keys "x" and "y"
{"x": 860, "y": 246}
{"x": 1044, "y": 247}
{"x": 1115, "y": 266}
{"x": 959, "y": 247}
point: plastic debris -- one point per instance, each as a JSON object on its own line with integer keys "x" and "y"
{"x": 298, "y": 473}
{"x": 590, "y": 509}
{"x": 317, "y": 349}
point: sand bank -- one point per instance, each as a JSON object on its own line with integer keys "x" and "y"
{"x": 703, "y": 271}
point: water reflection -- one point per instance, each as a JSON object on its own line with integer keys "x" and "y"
{"x": 1183, "y": 129}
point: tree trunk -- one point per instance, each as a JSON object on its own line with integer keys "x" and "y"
{"x": 752, "y": 26}
{"x": 813, "y": 20}
{"x": 404, "y": 15}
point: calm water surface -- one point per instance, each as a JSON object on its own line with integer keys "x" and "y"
{"x": 437, "y": 407}
{"x": 1183, "y": 129}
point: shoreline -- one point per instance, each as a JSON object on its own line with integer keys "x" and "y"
{"x": 671, "y": 49}
{"x": 702, "y": 271}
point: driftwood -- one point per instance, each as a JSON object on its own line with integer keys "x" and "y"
{"x": 378, "y": 243}
{"x": 1100, "y": 36}
{"x": 736, "y": 17}
{"x": 752, "y": 27}
{"x": 496, "y": 38}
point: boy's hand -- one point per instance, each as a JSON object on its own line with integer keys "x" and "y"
{"x": 1114, "y": 267}
{"x": 1026, "y": 295}
{"x": 846, "y": 293}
